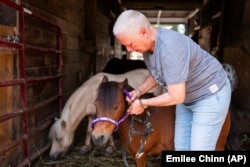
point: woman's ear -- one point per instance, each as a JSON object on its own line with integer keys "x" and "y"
{"x": 143, "y": 32}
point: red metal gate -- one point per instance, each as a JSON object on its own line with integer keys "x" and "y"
{"x": 23, "y": 82}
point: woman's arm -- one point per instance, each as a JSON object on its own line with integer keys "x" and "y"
{"x": 175, "y": 95}
{"x": 148, "y": 84}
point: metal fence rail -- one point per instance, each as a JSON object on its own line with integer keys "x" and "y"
{"x": 23, "y": 80}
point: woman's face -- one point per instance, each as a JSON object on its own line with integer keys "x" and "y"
{"x": 138, "y": 42}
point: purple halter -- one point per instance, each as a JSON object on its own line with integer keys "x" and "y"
{"x": 116, "y": 123}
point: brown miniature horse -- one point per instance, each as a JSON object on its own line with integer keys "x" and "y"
{"x": 110, "y": 110}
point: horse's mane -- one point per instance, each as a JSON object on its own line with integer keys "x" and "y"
{"x": 108, "y": 93}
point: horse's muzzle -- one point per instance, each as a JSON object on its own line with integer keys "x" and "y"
{"x": 56, "y": 155}
{"x": 99, "y": 140}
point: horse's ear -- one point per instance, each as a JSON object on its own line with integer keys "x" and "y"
{"x": 105, "y": 79}
{"x": 63, "y": 124}
{"x": 126, "y": 85}
{"x": 125, "y": 82}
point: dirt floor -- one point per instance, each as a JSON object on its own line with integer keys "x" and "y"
{"x": 96, "y": 158}
{"x": 239, "y": 139}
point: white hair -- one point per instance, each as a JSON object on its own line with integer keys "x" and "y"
{"x": 130, "y": 21}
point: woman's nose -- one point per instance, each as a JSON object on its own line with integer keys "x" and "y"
{"x": 129, "y": 49}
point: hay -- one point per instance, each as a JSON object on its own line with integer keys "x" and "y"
{"x": 96, "y": 158}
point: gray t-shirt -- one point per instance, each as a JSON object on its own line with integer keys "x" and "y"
{"x": 177, "y": 58}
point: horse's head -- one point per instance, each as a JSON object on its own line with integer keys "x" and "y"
{"x": 60, "y": 138}
{"x": 110, "y": 105}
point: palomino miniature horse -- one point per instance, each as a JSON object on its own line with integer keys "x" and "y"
{"x": 81, "y": 104}
{"x": 111, "y": 106}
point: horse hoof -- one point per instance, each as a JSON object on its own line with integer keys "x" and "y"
{"x": 84, "y": 150}
{"x": 109, "y": 151}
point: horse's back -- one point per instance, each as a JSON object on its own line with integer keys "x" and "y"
{"x": 82, "y": 99}
{"x": 135, "y": 79}
{"x": 119, "y": 66}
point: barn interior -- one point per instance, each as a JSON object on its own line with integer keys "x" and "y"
{"x": 48, "y": 49}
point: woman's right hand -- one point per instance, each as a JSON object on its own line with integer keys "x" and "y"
{"x": 135, "y": 94}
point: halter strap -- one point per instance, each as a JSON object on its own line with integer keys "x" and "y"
{"x": 116, "y": 123}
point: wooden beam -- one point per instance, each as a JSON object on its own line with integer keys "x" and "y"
{"x": 166, "y": 4}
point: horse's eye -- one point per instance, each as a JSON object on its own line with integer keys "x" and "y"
{"x": 116, "y": 107}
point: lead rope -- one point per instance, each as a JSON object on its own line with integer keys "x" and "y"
{"x": 128, "y": 141}
{"x": 146, "y": 132}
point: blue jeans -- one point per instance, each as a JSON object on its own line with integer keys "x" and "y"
{"x": 198, "y": 124}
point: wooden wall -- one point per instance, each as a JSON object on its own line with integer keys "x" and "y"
{"x": 6, "y": 93}
{"x": 86, "y": 42}
{"x": 69, "y": 15}
{"x": 87, "y": 36}
{"x": 229, "y": 21}
{"x": 237, "y": 51}
{"x": 99, "y": 39}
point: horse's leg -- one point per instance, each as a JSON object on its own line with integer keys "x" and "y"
{"x": 221, "y": 142}
{"x": 111, "y": 147}
{"x": 87, "y": 145}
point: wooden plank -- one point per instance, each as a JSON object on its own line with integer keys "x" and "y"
{"x": 6, "y": 93}
{"x": 69, "y": 26}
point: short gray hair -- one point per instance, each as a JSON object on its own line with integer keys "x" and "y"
{"x": 130, "y": 21}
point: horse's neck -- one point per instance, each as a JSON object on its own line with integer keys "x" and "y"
{"x": 80, "y": 104}
{"x": 127, "y": 122}
{"x": 73, "y": 117}
{"x": 125, "y": 125}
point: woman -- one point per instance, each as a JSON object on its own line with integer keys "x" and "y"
{"x": 195, "y": 81}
